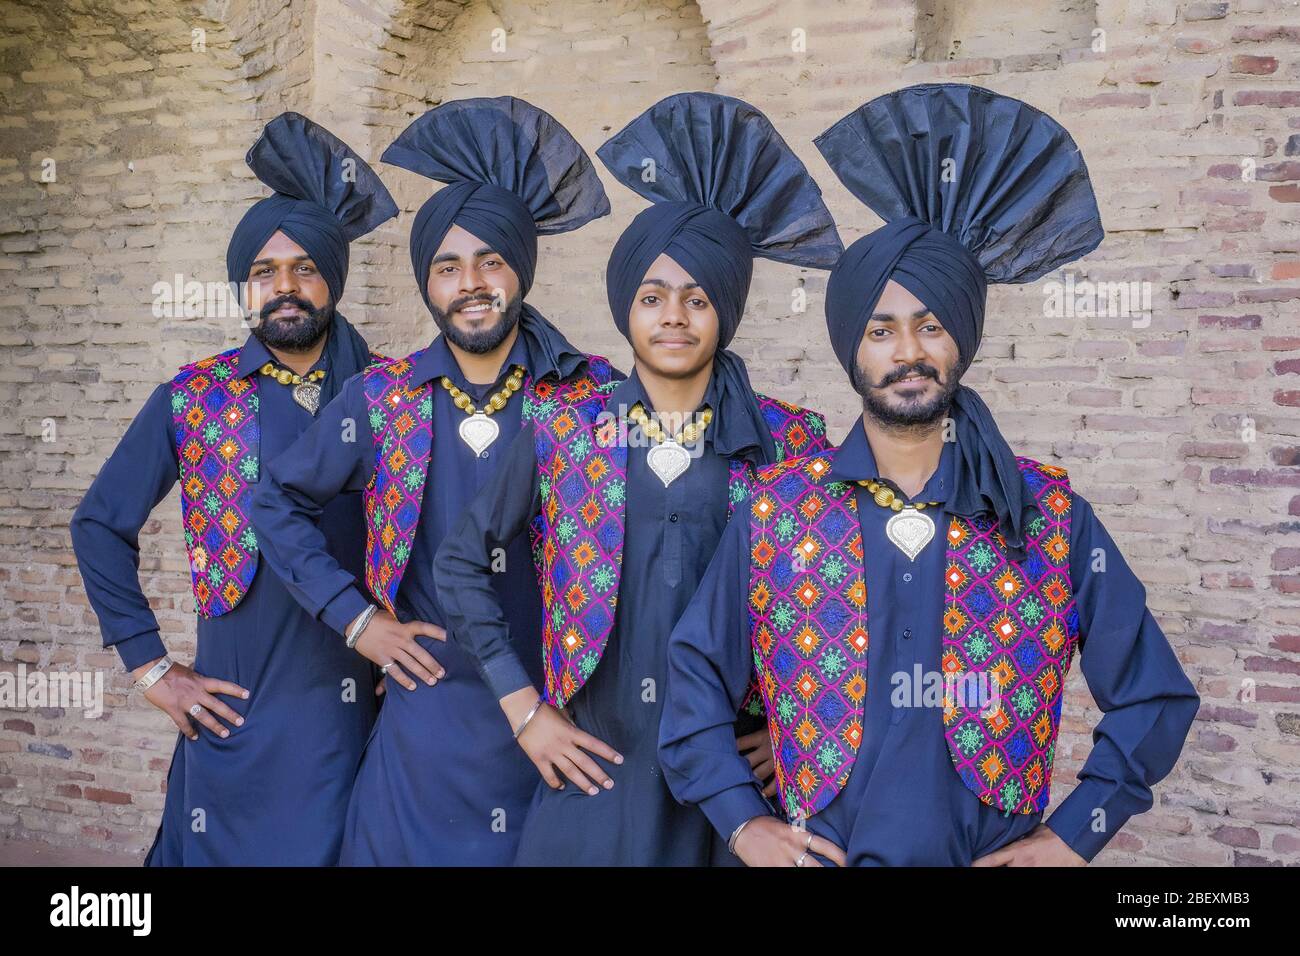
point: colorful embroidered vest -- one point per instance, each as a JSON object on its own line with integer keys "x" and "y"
{"x": 401, "y": 422}
{"x": 583, "y": 480}
{"x": 1012, "y": 624}
{"x": 214, "y": 422}
{"x": 215, "y": 425}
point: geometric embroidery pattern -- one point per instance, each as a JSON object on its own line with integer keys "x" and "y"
{"x": 578, "y": 541}
{"x": 401, "y": 423}
{"x": 401, "y": 426}
{"x": 807, "y": 610}
{"x": 796, "y": 432}
{"x": 1014, "y": 625}
{"x": 1009, "y": 633}
{"x": 214, "y": 421}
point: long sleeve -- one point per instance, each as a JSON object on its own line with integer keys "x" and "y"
{"x": 334, "y": 455}
{"x": 709, "y": 663}
{"x": 463, "y": 566}
{"x": 1146, "y": 700}
{"x": 106, "y": 530}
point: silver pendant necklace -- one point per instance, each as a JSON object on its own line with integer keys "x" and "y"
{"x": 307, "y": 395}
{"x": 909, "y": 529}
{"x": 669, "y": 459}
{"x": 478, "y": 431}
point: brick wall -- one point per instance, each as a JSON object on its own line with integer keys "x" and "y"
{"x": 1177, "y": 102}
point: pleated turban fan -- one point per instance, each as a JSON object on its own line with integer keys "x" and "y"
{"x": 725, "y": 188}
{"x": 974, "y": 188}
{"x": 513, "y": 173}
{"x": 324, "y": 197}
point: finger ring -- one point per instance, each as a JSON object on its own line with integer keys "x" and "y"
{"x": 808, "y": 845}
{"x": 196, "y": 710}
{"x": 384, "y": 669}
{"x": 802, "y": 856}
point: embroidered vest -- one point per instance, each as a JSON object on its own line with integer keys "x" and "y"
{"x": 1009, "y": 627}
{"x": 579, "y": 550}
{"x": 215, "y": 426}
{"x": 401, "y": 422}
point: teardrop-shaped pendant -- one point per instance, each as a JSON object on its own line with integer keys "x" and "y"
{"x": 910, "y": 530}
{"x": 479, "y": 431}
{"x": 307, "y": 394}
{"x": 668, "y": 460}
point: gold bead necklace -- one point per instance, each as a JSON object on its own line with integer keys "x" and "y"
{"x": 908, "y": 529}
{"x": 884, "y": 496}
{"x": 306, "y": 390}
{"x": 668, "y": 459}
{"x": 477, "y": 430}
{"x": 690, "y": 433}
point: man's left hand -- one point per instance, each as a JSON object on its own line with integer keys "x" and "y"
{"x": 757, "y": 748}
{"x": 1040, "y": 847}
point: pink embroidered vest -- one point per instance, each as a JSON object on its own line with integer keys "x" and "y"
{"x": 583, "y": 481}
{"x": 215, "y": 426}
{"x": 401, "y": 422}
{"x": 1012, "y": 625}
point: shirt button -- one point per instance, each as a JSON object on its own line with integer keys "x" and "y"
{"x": 673, "y": 516}
{"x": 907, "y": 576}
{"x": 907, "y": 632}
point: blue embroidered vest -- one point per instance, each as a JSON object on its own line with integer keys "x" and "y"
{"x": 1013, "y": 625}
{"x": 583, "y": 480}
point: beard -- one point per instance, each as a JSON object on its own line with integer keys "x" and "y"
{"x": 297, "y": 335}
{"x": 921, "y": 413}
{"x": 484, "y": 340}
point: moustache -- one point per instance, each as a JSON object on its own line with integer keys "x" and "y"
{"x": 900, "y": 373}
{"x": 306, "y": 307}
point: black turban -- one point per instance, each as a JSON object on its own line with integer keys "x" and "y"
{"x": 325, "y": 196}
{"x": 975, "y": 188}
{"x": 725, "y": 188}
{"x": 513, "y": 173}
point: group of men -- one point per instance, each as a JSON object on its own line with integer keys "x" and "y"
{"x": 497, "y": 602}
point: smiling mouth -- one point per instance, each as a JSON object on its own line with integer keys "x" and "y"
{"x": 476, "y": 309}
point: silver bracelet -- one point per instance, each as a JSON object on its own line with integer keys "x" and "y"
{"x": 155, "y": 673}
{"x": 351, "y": 637}
{"x": 531, "y": 714}
{"x": 735, "y": 835}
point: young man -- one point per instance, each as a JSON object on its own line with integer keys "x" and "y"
{"x": 633, "y": 484}
{"x": 253, "y": 781}
{"x": 912, "y": 604}
{"x": 441, "y": 781}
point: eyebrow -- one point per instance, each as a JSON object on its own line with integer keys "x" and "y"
{"x": 888, "y": 316}
{"x": 661, "y": 284}
{"x": 455, "y": 257}
{"x": 267, "y": 262}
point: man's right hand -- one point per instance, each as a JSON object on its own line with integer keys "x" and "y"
{"x": 181, "y": 688}
{"x": 391, "y": 644}
{"x": 769, "y": 842}
{"x": 556, "y": 746}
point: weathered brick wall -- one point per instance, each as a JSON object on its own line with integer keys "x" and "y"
{"x": 148, "y": 137}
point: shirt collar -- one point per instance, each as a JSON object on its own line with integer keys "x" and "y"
{"x": 437, "y": 360}
{"x": 630, "y": 391}
{"x": 254, "y": 354}
{"x": 854, "y": 461}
